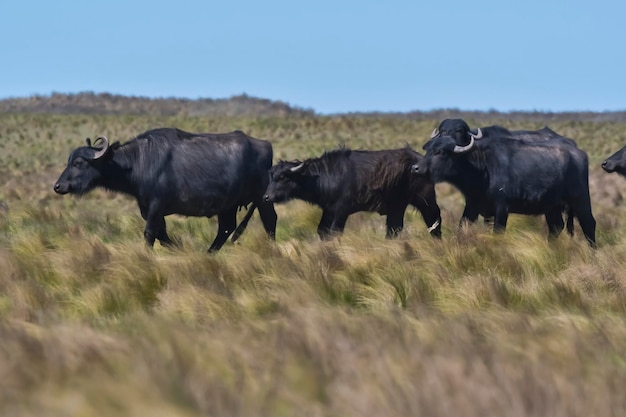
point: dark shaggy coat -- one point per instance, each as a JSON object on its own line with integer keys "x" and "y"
{"x": 346, "y": 181}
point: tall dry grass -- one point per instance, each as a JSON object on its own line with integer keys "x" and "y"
{"x": 93, "y": 323}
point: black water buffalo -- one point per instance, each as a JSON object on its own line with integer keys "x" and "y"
{"x": 170, "y": 171}
{"x": 616, "y": 162}
{"x": 500, "y": 174}
{"x": 346, "y": 181}
{"x": 554, "y": 219}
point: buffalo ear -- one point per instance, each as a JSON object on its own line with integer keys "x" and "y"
{"x": 102, "y": 148}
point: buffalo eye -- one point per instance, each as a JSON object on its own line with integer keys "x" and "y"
{"x": 78, "y": 163}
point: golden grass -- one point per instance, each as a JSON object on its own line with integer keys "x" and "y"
{"x": 93, "y": 323}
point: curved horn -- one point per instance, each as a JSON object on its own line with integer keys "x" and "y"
{"x": 463, "y": 149}
{"x": 102, "y": 150}
{"x": 435, "y": 133}
{"x": 478, "y": 135}
{"x": 297, "y": 168}
{"x": 88, "y": 140}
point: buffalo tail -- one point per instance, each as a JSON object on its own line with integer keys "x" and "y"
{"x": 244, "y": 222}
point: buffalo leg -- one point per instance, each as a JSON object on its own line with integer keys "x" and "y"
{"x": 554, "y": 219}
{"x": 470, "y": 214}
{"x": 570, "y": 222}
{"x": 227, "y": 222}
{"x": 163, "y": 237}
{"x": 268, "y": 217}
{"x": 588, "y": 224}
{"x": 395, "y": 222}
{"x": 338, "y": 224}
{"x": 323, "y": 228}
{"x": 147, "y": 235}
{"x": 431, "y": 214}
{"x": 502, "y": 215}
{"x": 155, "y": 228}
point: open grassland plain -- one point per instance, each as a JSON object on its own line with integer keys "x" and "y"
{"x": 93, "y": 323}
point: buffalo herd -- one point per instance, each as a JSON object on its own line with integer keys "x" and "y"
{"x": 170, "y": 171}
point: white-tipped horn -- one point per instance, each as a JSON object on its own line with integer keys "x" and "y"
{"x": 478, "y": 135}
{"x": 297, "y": 167}
{"x": 102, "y": 149}
{"x": 463, "y": 149}
{"x": 435, "y": 133}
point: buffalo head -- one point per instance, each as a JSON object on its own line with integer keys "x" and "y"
{"x": 452, "y": 137}
{"x": 616, "y": 162}
{"x": 83, "y": 168}
{"x": 459, "y": 130}
{"x": 286, "y": 180}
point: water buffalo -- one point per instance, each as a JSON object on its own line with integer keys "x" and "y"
{"x": 553, "y": 218}
{"x": 346, "y": 181}
{"x": 171, "y": 171}
{"x": 500, "y": 173}
{"x": 616, "y": 162}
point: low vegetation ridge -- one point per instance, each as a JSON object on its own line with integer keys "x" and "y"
{"x": 245, "y": 105}
{"x": 105, "y": 103}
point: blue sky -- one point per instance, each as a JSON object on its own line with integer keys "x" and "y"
{"x": 328, "y": 55}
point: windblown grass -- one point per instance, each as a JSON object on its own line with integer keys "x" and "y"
{"x": 93, "y": 323}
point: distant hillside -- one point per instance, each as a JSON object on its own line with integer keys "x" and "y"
{"x": 244, "y": 105}
{"x": 542, "y": 117}
{"x": 104, "y": 103}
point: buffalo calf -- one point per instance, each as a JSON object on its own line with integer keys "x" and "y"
{"x": 346, "y": 181}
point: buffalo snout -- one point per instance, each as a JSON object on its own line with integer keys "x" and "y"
{"x": 608, "y": 166}
{"x": 417, "y": 169}
{"x": 61, "y": 188}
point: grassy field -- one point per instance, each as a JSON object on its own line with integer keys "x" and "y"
{"x": 92, "y": 323}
